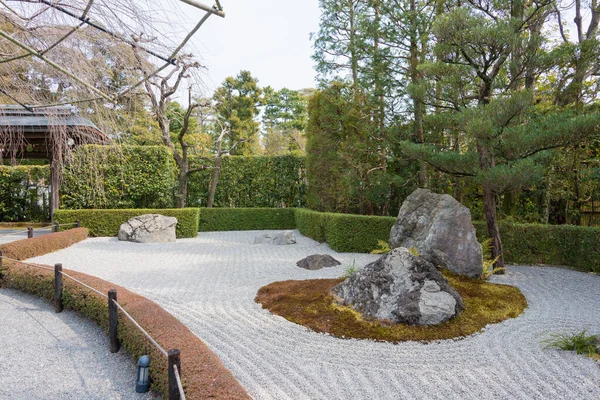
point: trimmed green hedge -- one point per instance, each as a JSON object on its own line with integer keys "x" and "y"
{"x": 120, "y": 177}
{"x": 108, "y": 222}
{"x": 252, "y": 181}
{"x": 574, "y": 246}
{"x": 344, "y": 232}
{"x": 244, "y": 219}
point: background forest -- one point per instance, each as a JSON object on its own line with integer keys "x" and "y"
{"x": 494, "y": 102}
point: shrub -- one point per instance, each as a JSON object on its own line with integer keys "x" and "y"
{"x": 37, "y": 246}
{"x": 108, "y": 222}
{"x": 344, "y": 232}
{"x": 241, "y": 219}
{"x": 568, "y": 245}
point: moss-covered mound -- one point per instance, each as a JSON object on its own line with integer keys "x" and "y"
{"x": 309, "y": 303}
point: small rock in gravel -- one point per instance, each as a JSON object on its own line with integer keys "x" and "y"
{"x": 318, "y": 261}
{"x": 278, "y": 238}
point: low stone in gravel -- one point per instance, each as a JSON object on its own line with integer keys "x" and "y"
{"x": 149, "y": 228}
{"x": 402, "y": 288}
{"x": 318, "y": 261}
{"x": 440, "y": 228}
{"x": 276, "y": 238}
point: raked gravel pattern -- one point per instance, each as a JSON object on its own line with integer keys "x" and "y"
{"x": 44, "y": 355}
{"x": 210, "y": 282}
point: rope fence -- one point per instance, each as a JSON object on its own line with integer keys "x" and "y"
{"x": 173, "y": 356}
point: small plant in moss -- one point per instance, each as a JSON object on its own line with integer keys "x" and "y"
{"x": 488, "y": 262}
{"x": 580, "y": 342}
{"x": 382, "y": 247}
{"x": 351, "y": 269}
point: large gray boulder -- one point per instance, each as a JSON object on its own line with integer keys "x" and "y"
{"x": 276, "y": 238}
{"x": 318, "y": 261}
{"x": 400, "y": 288}
{"x": 440, "y": 228}
{"x": 149, "y": 228}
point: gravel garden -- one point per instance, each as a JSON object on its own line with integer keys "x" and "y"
{"x": 210, "y": 283}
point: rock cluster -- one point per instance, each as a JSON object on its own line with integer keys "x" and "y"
{"x": 400, "y": 288}
{"x": 277, "y": 238}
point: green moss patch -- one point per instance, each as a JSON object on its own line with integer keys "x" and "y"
{"x": 310, "y": 304}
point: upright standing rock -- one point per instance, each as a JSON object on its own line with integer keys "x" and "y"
{"x": 440, "y": 228}
{"x": 402, "y": 288}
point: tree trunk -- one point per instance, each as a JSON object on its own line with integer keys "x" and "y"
{"x": 214, "y": 181}
{"x": 181, "y": 196}
{"x": 418, "y": 108}
{"x": 489, "y": 206}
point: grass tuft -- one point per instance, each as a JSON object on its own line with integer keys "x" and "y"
{"x": 580, "y": 342}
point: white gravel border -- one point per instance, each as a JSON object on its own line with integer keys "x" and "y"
{"x": 209, "y": 283}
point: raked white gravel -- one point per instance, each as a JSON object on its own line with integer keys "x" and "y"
{"x": 209, "y": 283}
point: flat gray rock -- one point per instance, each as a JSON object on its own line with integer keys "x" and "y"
{"x": 149, "y": 228}
{"x": 276, "y": 238}
{"x": 440, "y": 228}
{"x": 400, "y": 288}
{"x": 318, "y": 261}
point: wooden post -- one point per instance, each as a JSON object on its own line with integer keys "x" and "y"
{"x": 56, "y": 227}
{"x": 113, "y": 321}
{"x": 58, "y": 288}
{"x": 0, "y": 258}
{"x": 54, "y": 182}
{"x": 174, "y": 359}
{"x": 29, "y": 232}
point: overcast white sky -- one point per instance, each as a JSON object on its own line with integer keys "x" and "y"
{"x": 269, "y": 38}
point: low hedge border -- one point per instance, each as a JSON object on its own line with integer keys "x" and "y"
{"x": 344, "y": 232}
{"x": 566, "y": 245}
{"x": 244, "y": 219}
{"x": 203, "y": 374}
{"x": 108, "y": 222}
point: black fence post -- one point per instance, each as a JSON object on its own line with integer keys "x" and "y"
{"x": 29, "y": 232}
{"x": 0, "y": 258}
{"x": 58, "y": 288}
{"x": 174, "y": 359}
{"x": 77, "y": 224}
{"x": 56, "y": 227}
{"x": 113, "y": 321}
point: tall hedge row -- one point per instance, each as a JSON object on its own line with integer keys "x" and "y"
{"x": 242, "y": 219}
{"x": 24, "y": 193}
{"x": 119, "y": 177}
{"x": 252, "y": 182}
{"x": 108, "y": 222}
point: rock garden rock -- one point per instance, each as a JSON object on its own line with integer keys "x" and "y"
{"x": 149, "y": 228}
{"x": 318, "y": 261}
{"x": 440, "y": 228}
{"x": 400, "y": 288}
{"x": 277, "y": 238}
